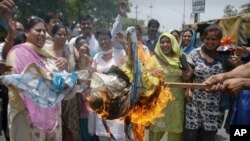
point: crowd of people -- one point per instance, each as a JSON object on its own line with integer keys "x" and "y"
{"x": 193, "y": 114}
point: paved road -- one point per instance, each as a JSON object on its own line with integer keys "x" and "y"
{"x": 221, "y": 134}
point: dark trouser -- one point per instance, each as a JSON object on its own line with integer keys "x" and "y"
{"x": 84, "y": 131}
{"x": 199, "y": 135}
{"x": 5, "y": 100}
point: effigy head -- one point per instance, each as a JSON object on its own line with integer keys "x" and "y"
{"x": 110, "y": 94}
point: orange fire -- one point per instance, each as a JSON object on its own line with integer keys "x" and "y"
{"x": 142, "y": 114}
{"x": 104, "y": 113}
{"x": 227, "y": 40}
{"x": 147, "y": 109}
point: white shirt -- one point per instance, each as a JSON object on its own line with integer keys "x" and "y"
{"x": 93, "y": 44}
{"x": 1, "y": 50}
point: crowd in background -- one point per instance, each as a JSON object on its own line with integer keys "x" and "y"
{"x": 193, "y": 114}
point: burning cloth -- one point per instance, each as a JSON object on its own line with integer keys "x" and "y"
{"x": 109, "y": 95}
{"x": 110, "y": 99}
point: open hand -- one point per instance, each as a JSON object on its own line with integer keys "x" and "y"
{"x": 7, "y": 8}
{"x": 123, "y": 8}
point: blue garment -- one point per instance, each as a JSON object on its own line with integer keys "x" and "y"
{"x": 242, "y": 104}
{"x": 242, "y": 115}
{"x": 41, "y": 90}
{"x": 84, "y": 129}
{"x": 136, "y": 67}
{"x": 245, "y": 58}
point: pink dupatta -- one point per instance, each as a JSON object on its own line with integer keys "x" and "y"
{"x": 42, "y": 118}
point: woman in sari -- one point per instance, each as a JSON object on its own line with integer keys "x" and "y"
{"x": 27, "y": 120}
{"x": 167, "y": 54}
{"x": 70, "y": 116}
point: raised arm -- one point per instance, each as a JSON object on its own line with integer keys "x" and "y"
{"x": 7, "y": 8}
{"x": 117, "y": 26}
{"x": 9, "y": 40}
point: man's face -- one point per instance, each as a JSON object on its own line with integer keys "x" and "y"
{"x": 153, "y": 29}
{"x": 52, "y": 23}
{"x": 86, "y": 26}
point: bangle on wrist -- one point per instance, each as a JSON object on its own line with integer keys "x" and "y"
{"x": 7, "y": 41}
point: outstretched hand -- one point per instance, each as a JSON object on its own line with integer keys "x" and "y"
{"x": 234, "y": 85}
{"x": 214, "y": 82}
{"x": 122, "y": 8}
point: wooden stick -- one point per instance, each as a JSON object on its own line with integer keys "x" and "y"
{"x": 186, "y": 85}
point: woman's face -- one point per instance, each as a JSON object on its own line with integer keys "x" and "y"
{"x": 211, "y": 40}
{"x": 166, "y": 46}
{"x": 176, "y": 35}
{"x": 186, "y": 38}
{"x": 37, "y": 35}
{"x": 104, "y": 42}
{"x": 61, "y": 36}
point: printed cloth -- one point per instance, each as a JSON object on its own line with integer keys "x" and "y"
{"x": 46, "y": 89}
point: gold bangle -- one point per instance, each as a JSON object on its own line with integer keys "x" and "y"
{"x": 7, "y": 41}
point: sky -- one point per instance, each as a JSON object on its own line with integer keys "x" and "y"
{"x": 170, "y": 13}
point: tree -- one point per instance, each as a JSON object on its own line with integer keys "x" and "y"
{"x": 245, "y": 8}
{"x": 103, "y": 11}
{"x": 132, "y": 22}
{"x": 230, "y": 11}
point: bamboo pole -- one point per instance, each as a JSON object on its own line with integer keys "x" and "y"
{"x": 186, "y": 85}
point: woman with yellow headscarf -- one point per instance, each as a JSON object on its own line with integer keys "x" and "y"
{"x": 167, "y": 54}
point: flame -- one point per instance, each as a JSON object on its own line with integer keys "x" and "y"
{"x": 104, "y": 113}
{"x": 142, "y": 114}
{"x": 147, "y": 109}
{"x": 226, "y": 41}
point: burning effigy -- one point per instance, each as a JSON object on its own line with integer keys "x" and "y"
{"x": 120, "y": 93}
{"x": 110, "y": 96}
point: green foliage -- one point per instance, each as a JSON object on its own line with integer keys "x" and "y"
{"x": 230, "y": 11}
{"x": 103, "y": 11}
{"x": 131, "y": 22}
{"x": 245, "y": 8}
